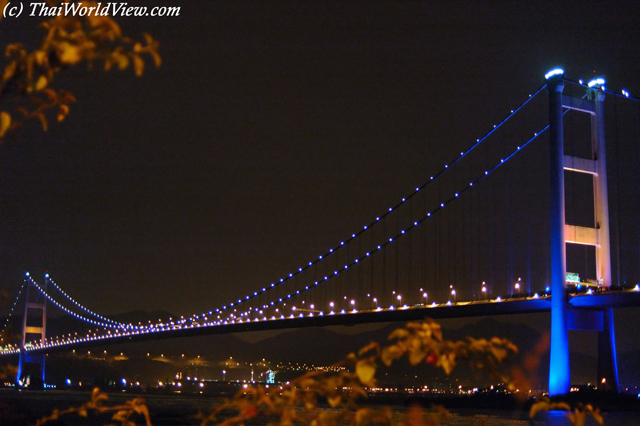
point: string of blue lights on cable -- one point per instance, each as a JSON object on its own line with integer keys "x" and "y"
{"x": 68, "y": 311}
{"x": 442, "y": 205}
{"x": 13, "y": 307}
{"x": 380, "y": 247}
{"x": 231, "y": 320}
{"x": 119, "y": 333}
{"x": 378, "y": 219}
{"x": 90, "y": 312}
{"x": 600, "y": 84}
{"x": 596, "y": 83}
{"x": 416, "y": 223}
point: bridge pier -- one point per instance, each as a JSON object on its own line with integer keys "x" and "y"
{"x": 607, "y": 361}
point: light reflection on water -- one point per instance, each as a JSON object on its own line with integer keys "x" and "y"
{"x": 468, "y": 417}
{"x": 552, "y": 418}
{"x": 173, "y": 409}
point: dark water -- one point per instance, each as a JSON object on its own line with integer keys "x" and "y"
{"x": 25, "y": 408}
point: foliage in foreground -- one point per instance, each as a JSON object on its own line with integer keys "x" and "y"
{"x": 26, "y": 79}
{"x": 122, "y": 413}
{"x": 297, "y": 403}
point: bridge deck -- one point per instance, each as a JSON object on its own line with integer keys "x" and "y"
{"x": 511, "y": 306}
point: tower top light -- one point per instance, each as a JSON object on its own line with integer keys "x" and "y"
{"x": 596, "y": 82}
{"x": 553, "y": 72}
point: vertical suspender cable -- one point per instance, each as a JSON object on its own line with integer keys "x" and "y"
{"x": 384, "y": 261}
{"x": 397, "y": 244}
{"x": 410, "y": 254}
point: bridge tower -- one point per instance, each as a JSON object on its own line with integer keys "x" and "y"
{"x": 563, "y": 319}
{"x": 34, "y": 323}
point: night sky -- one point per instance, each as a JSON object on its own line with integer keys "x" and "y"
{"x": 273, "y": 130}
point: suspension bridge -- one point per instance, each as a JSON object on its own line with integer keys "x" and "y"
{"x": 458, "y": 245}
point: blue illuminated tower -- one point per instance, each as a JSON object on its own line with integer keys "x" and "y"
{"x": 561, "y": 234}
{"x": 559, "y": 372}
{"x": 37, "y": 306}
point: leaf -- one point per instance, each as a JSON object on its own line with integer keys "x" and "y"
{"x": 51, "y": 94}
{"x": 366, "y": 370}
{"x": 5, "y": 123}
{"x": 498, "y": 353}
{"x": 69, "y": 54}
{"x": 62, "y": 112}
{"x": 598, "y": 418}
{"x": 3, "y": 3}
{"x": 334, "y": 401}
{"x": 415, "y": 357}
{"x": 40, "y": 57}
{"x": 41, "y": 83}
{"x": 390, "y": 353}
{"x": 370, "y": 346}
{"x": 66, "y": 97}
{"x": 156, "y": 58}
{"x": 120, "y": 415}
{"x": 9, "y": 70}
{"x": 122, "y": 61}
{"x": 13, "y": 48}
{"x": 138, "y": 65}
{"x": 398, "y": 334}
{"x": 97, "y": 396}
{"x": 448, "y": 362}
{"x": 363, "y": 416}
{"x": 43, "y": 121}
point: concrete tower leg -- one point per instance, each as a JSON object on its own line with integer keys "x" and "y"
{"x": 607, "y": 361}
{"x": 559, "y": 374}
